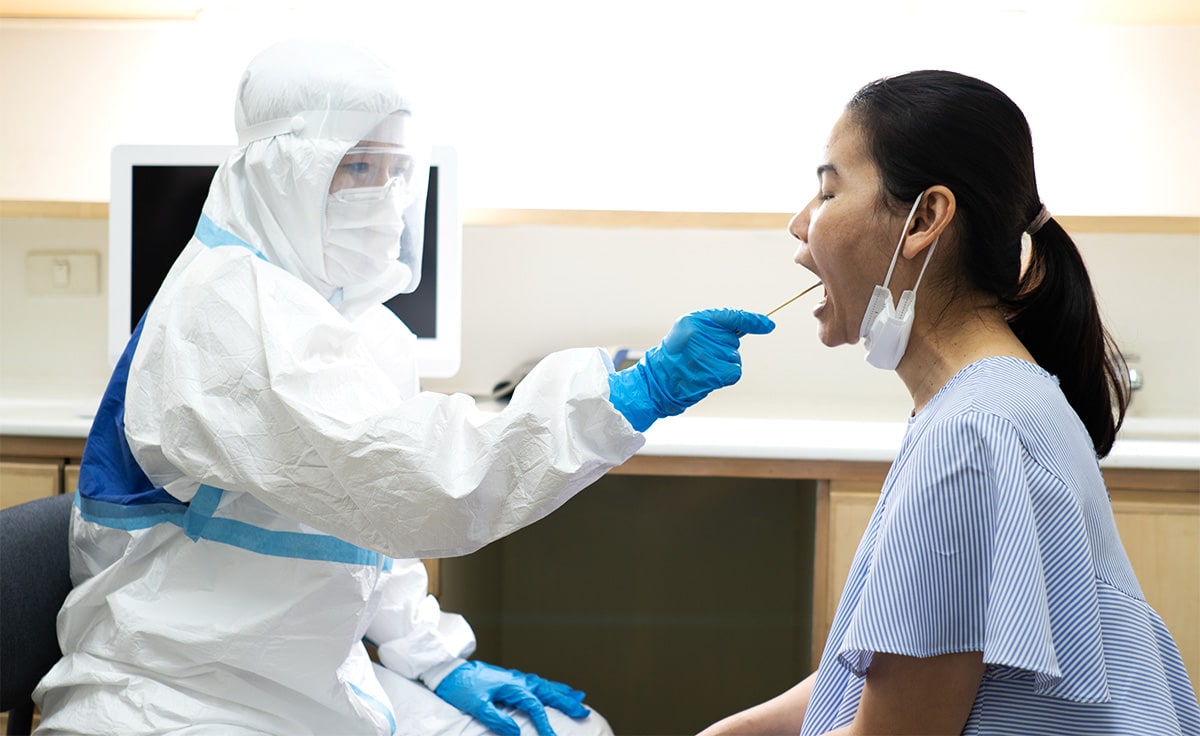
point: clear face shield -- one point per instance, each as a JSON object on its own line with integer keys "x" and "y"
{"x": 375, "y": 212}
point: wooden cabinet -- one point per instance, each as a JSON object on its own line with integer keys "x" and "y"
{"x": 843, "y": 508}
{"x": 70, "y": 477}
{"x": 701, "y": 583}
{"x": 1161, "y": 534}
{"x": 1157, "y": 513}
{"x": 34, "y": 467}
{"x": 22, "y": 481}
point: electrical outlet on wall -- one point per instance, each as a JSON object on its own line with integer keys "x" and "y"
{"x": 52, "y": 273}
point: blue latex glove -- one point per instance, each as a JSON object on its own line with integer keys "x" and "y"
{"x": 698, "y": 355}
{"x": 476, "y": 688}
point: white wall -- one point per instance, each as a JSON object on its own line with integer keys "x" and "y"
{"x": 589, "y": 286}
{"x": 627, "y": 104}
{"x": 631, "y": 105}
{"x": 533, "y": 289}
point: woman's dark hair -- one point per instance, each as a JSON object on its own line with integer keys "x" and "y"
{"x": 937, "y": 127}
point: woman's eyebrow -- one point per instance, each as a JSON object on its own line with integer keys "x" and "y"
{"x": 823, "y": 168}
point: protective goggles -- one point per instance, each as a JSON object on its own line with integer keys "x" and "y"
{"x": 372, "y": 173}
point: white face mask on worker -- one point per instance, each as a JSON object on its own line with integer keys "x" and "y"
{"x": 362, "y": 237}
{"x": 885, "y": 328}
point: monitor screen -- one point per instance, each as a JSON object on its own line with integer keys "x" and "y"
{"x": 157, "y": 195}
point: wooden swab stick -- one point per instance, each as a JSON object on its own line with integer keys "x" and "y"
{"x": 789, "y": 301}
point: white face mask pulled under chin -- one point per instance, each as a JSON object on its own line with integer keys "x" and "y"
{"x": 885, "y": 328}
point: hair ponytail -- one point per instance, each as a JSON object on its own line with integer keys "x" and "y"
{"x": 938, "y": 127}
{"x": 1056, "y": 317}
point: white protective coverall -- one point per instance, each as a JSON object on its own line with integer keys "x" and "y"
{"x": 263, "y": 469}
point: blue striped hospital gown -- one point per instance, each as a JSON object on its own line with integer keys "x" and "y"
{"x": 994, "y": 533}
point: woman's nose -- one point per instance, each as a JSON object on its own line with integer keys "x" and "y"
{"x": 798, "y": 226}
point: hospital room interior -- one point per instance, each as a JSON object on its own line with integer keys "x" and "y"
{"x": 601, "y": 170}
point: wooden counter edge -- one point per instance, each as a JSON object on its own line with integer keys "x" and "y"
{"x": 21, "y": 446}
{"x": 1186, "y": 481}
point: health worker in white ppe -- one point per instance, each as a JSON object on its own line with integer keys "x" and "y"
{"x": 263, "y": 472}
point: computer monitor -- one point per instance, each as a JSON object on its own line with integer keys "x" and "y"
{"x": 158, "y": 192}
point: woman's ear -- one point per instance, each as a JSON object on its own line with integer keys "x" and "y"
{"x": 933, "y": 215}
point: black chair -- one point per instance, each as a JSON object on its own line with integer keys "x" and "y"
{"x": 34, "y": 580}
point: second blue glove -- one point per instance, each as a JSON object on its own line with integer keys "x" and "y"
{"x": 476, "y": 688}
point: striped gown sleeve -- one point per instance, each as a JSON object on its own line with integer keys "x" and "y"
{"x": 980, "y": 549}
{"x": 994, "y": 534}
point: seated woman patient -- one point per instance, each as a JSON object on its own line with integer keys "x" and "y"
{"x": 990, "y": 593}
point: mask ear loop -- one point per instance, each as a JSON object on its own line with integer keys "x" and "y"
{"x": 928, "y": 256}
{"x": 881, "y": 297}
{"x": 909, "y": 297}
{"x": 896, "y": 255}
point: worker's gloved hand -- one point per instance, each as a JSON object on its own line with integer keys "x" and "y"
{"x": 476, "y": 688}
{"x": 698, "y": 355}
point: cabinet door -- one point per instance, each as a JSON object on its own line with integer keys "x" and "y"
{"x": 847, "y": 512}
{"x": 1161, "y": 534}
{"x": 26, "y": 481}
{"x": 433, "y": 568}
{"x": 70, "y": 478}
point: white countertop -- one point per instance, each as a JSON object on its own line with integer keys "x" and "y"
{"x": 863, "y": 441}
{"x": 1144, "y": 443}
{"x": 46, "y": 417}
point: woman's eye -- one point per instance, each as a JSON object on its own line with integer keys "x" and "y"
{"x": 358, "y": 168}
